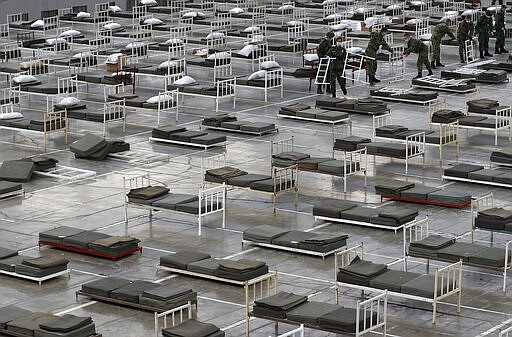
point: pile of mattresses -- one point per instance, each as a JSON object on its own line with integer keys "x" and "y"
{"x": 203, "y": 263}
{"x": 367, "y": 105}
{"x": 379, "y": 276}
{"x": 89, "y": 242}
{"x": 449, "y": 116}
{"x": 385, "y": 149}
{"x": 15, "y": 321}
{"x": 441, "y": 248}
{"x": 497, "y": 65}
{"x": 478, "y": 173}
{"x": 484, "y": 106}
{"x": 225, "y": 121}
{"x": 181, "y": 135}
{"x": 456, "y": 86}
{"x": 400, "y": 190}
{"x": 21, "y": 170}
{"x": 485, "y": 76}
{"x": 412, "y": 95}
{"x": 10, "y": 189}
{"x": 304, "y": 161}
{"x": 193, "y": 328}
{"x": 503, "y": 156}
{"x": 283, "y": 239}
{"x": 292, "y": 308}
{"x": 94, "y": 147}
{"x": 305, "y": 111}
{"x": 495, "y": 218}
{"x": 37, "y": 267}
{"x": 354, "y": 213}
{"x": 394, "y": 131}
{"x": 235, "y": 177}
{"x": 153, "y": 296}
{"x": 159, "y": 197}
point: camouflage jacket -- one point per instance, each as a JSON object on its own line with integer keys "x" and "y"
{"x": 324, "y": 47}
{"x": 440, "y": 31}
{"x": 376, "y": 40}
{"x": 415, "y": 46}
{"x": 466, "y": 30}
{"x": 484, "y": 25}
{"x": 500, "y": 20}
{"x": 338, "y": 53}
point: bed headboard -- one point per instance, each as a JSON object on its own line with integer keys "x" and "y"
{"x": 167, "y": 103}
{"x": 174, "y": 312}
{"x": 365, "y": 311}
{"x": 283, "y": 145}
{"x": 415, "y": 231}
{"x": 480, "y": 204}
{"x": 212, "y": 162}
{"x": 344, "y": 257}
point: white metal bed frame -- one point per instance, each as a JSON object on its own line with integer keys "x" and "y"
{"x": 166, "y": 105}
{"x": 353, "y": 161}
{"x": 281, "y": 176}
{"x": 37, "y": 279}
{"x": 214, "y": 200}
{"x": 443, "y": 84}
{"x": 448, "y": 134}
{"x": 273, "y": 80}
{"x": 297, "y": 332}
{"x": 395, "y": 92}
{"x": 173, "y": 313}
{"x": 448, "y": 280}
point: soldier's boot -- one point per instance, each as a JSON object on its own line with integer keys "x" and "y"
{"x": 333, "y": 93}
{"x": 372, "y": 79}
{"x": 482, "y": 55}
{"x": 319, "y": 89}
{"x": 503, "y": 50}
{"x": 487, "y": 53}
{"x": 430, "y": 72}
{"x": 420, "y": 75}
{"x": 439, "y": 64}
{"x": 328, "y": 89}
{"x": 433, "y": 64}
{"x": 497, "y": 51}
{"x": 344, "y": 90}
{"x": 375, "y": 79}
{"x": 462, "y": 58}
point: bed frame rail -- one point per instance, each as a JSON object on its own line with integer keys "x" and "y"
{"x": 178, "y": 311}
{"x": 297, "y": 332}
{"x": 480, "y": 204}
{"x": 114, "y": 111}
{"x": 366, "y": 309}
{"x": 167, "y": 103}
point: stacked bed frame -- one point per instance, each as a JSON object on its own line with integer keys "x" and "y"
{"x": 410, "y": 95}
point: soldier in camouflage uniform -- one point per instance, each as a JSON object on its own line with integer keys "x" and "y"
{"x": 418, "y": 47}
{"x": 376, "y": 40}
{"x": 338, "y": 55}
{"x": 465, "y": 32}
{"x": 499, "y": 25}
{"x": 439, "y": 32}
{"x": 484, "y": 28}
{"x": 323, "y": 48}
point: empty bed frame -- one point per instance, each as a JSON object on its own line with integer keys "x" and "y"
{"x": 283, "y": 154}
{"x": 419, "y": 242}
{"x": 281, "y": 180}
{"x": 208, "y": 201}
{"x": 352, "y": 271}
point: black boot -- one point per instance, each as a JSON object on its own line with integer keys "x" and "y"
{"x": 319, "y": 90}
{"x": 333, "y": 92}
{"x": 430, "y": 72}
{"x": 419, "y": 75}
{"x": 487, "y": 53}
{"x": 439, "y": 64}
{"x": 328, "y": 89}
{"x": 482, "y": 55}
{"x": 344, "y": 90}
{"x": 433, "y": 64}
{"x": 372, "y": 79}
{"x": 497, "y": 51}
{"x": 503, "y": 50}
{"x": 376, "y": 79}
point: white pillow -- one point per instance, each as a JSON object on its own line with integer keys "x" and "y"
{"x": 333, "y": 16}
{"x": 193, "y": 14}
{"x": 173, "y": 41}
{"x": 11, "y": 115}
{"x": 52, "y": 42}
{"x": 468, "y": 12}
{"x": 159, "y": 98}
{"x": 252, "y": 29}
{"x": 185, "y": 80}
{"x": 69, "y": 101}
{"x": 425, "y": 37}
{"x": 37, "y": 24}
{"x": 112, "y": 25}
{"x": 258, "y": 38}
{"x": 269, "y": 65}
{"x": 325, "y": 2}
{"x": 257, "y": 74}
{"x": 391, "y": 7}
{"x": 219, "y": 56}
{"x": 311, "y": 57}
{"x": 339, "y": 26}
{"x": 286, "y": 7}
{"x": 83, "y": 15}
{"x": 417, "y": 3}
{"x": 355, "y": 50}
{"x": 236, "y": 10}
{"x": 153, "y": 21}
{"x": 83, "y": 55}
{"x": 148, "y": 2}
{"x": 24, "y": 79}
{"x": 412, "y": 21}
{"x": 360, "y": 10}
{"x": 215, "y": 35}
{"x": 134, "y": 45}
{"x": 201, "y": 52}
{"x": 114, "y": 9}
{"x": 70, "y": 32}
{"x": 114, "y": 58}
{"x": 247, "y": 50}
{"x": 121, "y": 73}
{"x": 294, "y": 23}
{"x": 31, "y": 64}
{"x": 167, "y": 64}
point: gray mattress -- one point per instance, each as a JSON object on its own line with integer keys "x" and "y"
{"x": 166, "y": 292}
{"x": 418, "y": 192}
{"x": 172, "y": 199}
{"x": 448, "y": 197}
{"x": 422, "y": 286}
{"x": 82, "y": 240}
{"x": 462, "y": 170}
{"x": 267, "y": 185}
{"x": 9, "y": 187}
{"x": 280, "y": 303}
{"x": 27, "y": 324}
{"x": 5, "y": 253}
{"x": 392, "y": 280}
{"x": 310, "y": 312}
{"x": 263, "y": 233}
{"x": 460, "y": 250}
{"x": 193, "y": 207}
{"x": 181, "y": 259}
{"x": 206, "y": 266}
{"x": 66, "y": 323}
{"x": 343, "y": 320}
{"x": 10, "y": 313}
{"x": 84, "y": 331}
{"x": 56, "y": 235}
{"x": 360, "y": 272}
{"x": 104, "y": 286}
{"x": 132, "y": 291}
{"x": 38, "y": 272}
{"x": 332, "y": 208}
{"x": 393, "y": 187}
{"x": 359, "y": 213}
{"x": 170, "y": 303}
{"x": 490, "y": 256}
{"x": 337, "y": 167}
{"x": 19, "y": 171}
{"x": 246, "y": 180}
{"x": 87, "y": 145}
{"x": 292, "y": 238}
{"x": 9, "y": 264}
{"x": 193, "y": 328}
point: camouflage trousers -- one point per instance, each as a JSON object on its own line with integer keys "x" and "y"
{"x": 483, "y": 42}
{"x": 336, "y": 75}
{"x": 500, "y": 38}
{"x": 436, "y": 49}
{"x": 371, "y": 65}
{"x": 423, "y": 60}
{"x": 462, "y": 48}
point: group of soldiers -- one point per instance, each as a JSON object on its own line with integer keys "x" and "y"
{"x": 465, "y": 32}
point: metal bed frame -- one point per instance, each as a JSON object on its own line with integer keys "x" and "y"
{"x": 480, "y": 204}
{"x": 395, "y": 92}
{"x": 37, "y": 279}
{"x": 273, "y": 80}
{"x": 420, "y": 230}
{"x": 474, "y": 181}
{"x": 448, "y": 134}
{"x": 173, "y": 313}
{"x": 503, "y": 120}
{"x": 214, "y": 200}
{"x": 167, "y": 105}
{"x": 443, "y": 85}
{"x": 448, "y": 280}
{"x": 355, "y": 161}
{"x": 297, "y": 332}
{"x": 255, "y": 133}
{"x": 281, "y": 177}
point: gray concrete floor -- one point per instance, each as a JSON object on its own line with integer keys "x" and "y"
{"x": 97, "y": 204}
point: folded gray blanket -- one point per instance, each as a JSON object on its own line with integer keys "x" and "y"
{"x": 44, "y": 262}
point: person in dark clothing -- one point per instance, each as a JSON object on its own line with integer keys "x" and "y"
{"x": 418, "y": 47}
{"x": 484, "y": 28}
{"x": 499, "y": 25}
{"x": 338, "y": 55}
{"x": 323, "y": 48}
{"x": 376, "y": 40}
{"x": 465, "y": 32}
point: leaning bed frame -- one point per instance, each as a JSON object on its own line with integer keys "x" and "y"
{"x": 214, "y": 200}
{"x": 281, "y": 177}
{"x": 448, "y": 280}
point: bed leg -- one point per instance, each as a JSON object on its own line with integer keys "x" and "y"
{"x": 427, "y": 266}
{"x": 434, "y": 309}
